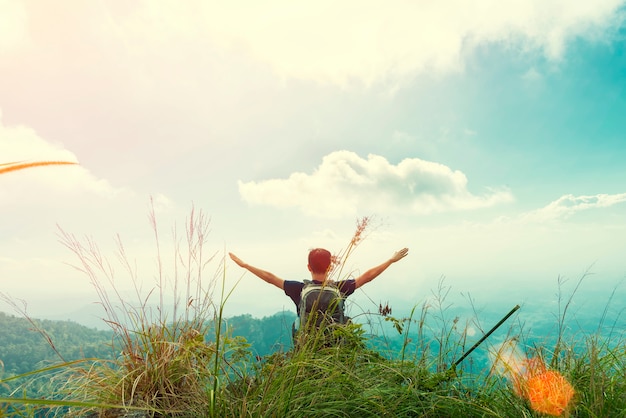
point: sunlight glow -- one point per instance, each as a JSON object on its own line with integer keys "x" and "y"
{"x": 547, "y": 391}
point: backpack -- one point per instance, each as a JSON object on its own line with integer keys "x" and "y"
{"x": 321, "y": 304}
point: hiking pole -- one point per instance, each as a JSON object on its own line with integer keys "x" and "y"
{"x": 451, "y": 372}
{"x": 467, "y": 353}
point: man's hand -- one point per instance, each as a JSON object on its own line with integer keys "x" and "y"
{"x": 237, "y": 260}
{"x": 372, "y": 273}
{"x": 262, "y": 274}
{"x": 399, "y": 255}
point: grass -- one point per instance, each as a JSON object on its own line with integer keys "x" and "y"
{"x": 164, "y": 361}
{"x": 178, "y": 360}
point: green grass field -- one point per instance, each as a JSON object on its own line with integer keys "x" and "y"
{"x": 187, "y": 364}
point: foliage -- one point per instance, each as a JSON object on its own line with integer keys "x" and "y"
{"x": 330, "y": 374}
{"x": 265, "y": 335}
{"x": 188, "y": 361}
{"x": 22, "y": 349}
{"x": 165, "y": 362}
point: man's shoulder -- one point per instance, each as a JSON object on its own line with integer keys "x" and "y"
{"x": 347, "y": 287}
{"x": 292, "y": 286}
{"x": 294, "y": 283}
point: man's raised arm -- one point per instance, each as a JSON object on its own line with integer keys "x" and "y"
{"x": 262, "y": 274}
{"x": 372, "y": 273}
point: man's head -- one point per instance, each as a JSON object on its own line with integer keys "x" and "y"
{"x": 319, "y": 260}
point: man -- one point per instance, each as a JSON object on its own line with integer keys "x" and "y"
{"x": 319, "y": 267}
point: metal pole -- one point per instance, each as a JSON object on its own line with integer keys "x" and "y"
{"x": 467, "y": 353}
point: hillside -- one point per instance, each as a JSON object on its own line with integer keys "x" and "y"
{"x": 23, "y": 348}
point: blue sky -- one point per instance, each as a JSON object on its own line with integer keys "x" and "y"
{"x": 488, "y": 139}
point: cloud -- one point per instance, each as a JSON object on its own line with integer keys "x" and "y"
{"x": 346, "y": 184}
{"x": 375, "y": 42}
{"x": 34, "y": 201}
{"x": 352, "y": 42}
{"x": 20, "y": 143}
{"x": 568, "y": 205}
{"x": 37, "y": 199}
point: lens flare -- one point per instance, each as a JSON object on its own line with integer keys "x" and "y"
{"x": 547, "y": 391}
{"x": 8, "y": 167}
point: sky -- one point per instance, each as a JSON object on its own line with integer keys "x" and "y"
{"x": 488, "y": 137}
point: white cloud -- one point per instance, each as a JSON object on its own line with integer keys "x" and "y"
{"x": 362, "y": 42}
{"x": 20, "y": 143}
{"x": 567, "y": 205}
{"x": 34, "y": 201}
{"x": 346, "y": 184}
{"x": 380, "y": 42}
